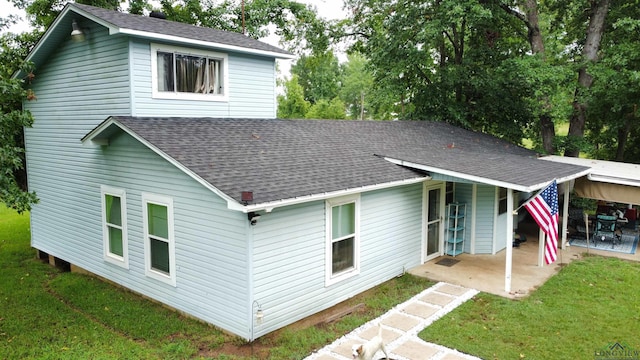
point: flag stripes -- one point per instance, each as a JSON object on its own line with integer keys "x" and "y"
{"x": 544, "y": 209}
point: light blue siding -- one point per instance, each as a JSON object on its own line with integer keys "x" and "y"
{"x": 77, "y": 88}
{"x": 252, "y": 90}
{"x": 289, "y": 253}
{"x": 485, "y": 211}
{"x": 464, "y": 194}
{"x": 222, "y": 263}
{"x": 81, "y": 85}
{"x": 211, "y": 246}
{"x": 252, "y": 87}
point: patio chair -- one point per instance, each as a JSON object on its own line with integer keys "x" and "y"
{"x": 576, "y": 222}
{"x": 606, "y": 228}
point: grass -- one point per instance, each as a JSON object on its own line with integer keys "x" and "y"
{"x": 49, "y": 314}
{"x": 589, "y": 304}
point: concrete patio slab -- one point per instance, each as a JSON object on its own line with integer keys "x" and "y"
{"x": 420, "y": 310}
{"x": 413, "y": 349}
{"x": 401, "y": 321}
{"x": 437, "y": 299}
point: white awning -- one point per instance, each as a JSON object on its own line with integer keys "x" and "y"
{"x": 608, "y": 180}
{"x": 599, "y": 190}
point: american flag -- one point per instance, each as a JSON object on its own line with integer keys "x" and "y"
{"x": 544, "y": 209}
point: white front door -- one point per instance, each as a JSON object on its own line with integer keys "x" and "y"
{"x": 433, "y": 220}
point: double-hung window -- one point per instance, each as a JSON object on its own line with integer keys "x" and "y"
{"x": 114, "y": 225}
{"x": 342, "y": 251}
{"x": 158, "y": 238}
{"x": 181, "y": 73}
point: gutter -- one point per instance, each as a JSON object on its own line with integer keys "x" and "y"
{"x": 503, "y": 184}
{"x": 269, "y": 206}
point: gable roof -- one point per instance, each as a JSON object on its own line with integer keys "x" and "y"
{"x": 149, "y": 28}
{"x": 288, "y": 161}
{"x": 161, "y": 29}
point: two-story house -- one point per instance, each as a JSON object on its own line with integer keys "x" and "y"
{"x": 160, "y": 166}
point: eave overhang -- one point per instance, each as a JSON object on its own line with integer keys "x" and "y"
{"x": 508, "y": 185}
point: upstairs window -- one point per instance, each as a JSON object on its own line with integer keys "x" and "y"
{"x": 188, "y": 74}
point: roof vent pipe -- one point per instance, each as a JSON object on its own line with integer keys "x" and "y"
{"x": 157, "y": 14}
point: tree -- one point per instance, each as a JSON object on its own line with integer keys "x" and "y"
{"x": 293, "y": 21}
{"x": 597, "y": 14}
{"x": 357, "y": 88}
{"x": 448, "y": 60}
{"x": 527, "y": 12}
{"x": 296, "y": 23}
{"x": 614, "y": 96}
{"x": 13, "y": 185}
{"x": 327, "y": 109}
{"x": 319, "y": 75}
{"x": 292, "y": 105}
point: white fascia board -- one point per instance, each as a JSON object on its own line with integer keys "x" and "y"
{"x": 612, "y": 172}
{"x": 483, "y": 180}
{"x": 43, "y": 39}
{"x": 323, "y": 196}
{"x": 613, "y": 179}
{"x": 91, "y": 136}
{"x": 54, "y": 25}
{"x": 196, "y": 177}
{"x": 113, "y": 30}
{"x": 207, "y": 44}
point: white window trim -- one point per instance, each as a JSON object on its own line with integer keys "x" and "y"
{"x": 154, "y": 274}
{"x": 108, "y": 256}
{"x": 330, "y": 278}
{"x": 183, "y": 95}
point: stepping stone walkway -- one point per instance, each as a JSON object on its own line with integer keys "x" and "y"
{"x": 401, "y": 325}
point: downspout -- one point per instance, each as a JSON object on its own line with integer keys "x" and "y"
{"x": 251, "y": 299}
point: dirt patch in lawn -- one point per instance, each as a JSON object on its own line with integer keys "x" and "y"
{"x": 261, "y": 347}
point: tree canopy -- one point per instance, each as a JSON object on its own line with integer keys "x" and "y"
{"x": 13, "y": 50}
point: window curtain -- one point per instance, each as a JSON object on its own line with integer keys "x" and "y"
{"x": 215, "y": 84}
{"x": 165, "y": 72}
{"x": 190, "y": 73}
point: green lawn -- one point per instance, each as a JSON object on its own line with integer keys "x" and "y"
{"x": 588, "y": 305}
{"x": 48, "y": 314}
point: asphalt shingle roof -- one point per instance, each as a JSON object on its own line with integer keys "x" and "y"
{"x": 286, "y": 159}
{"x": 172, "y": 28}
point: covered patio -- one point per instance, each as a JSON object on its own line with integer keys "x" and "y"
{"x": 487, "y": 272}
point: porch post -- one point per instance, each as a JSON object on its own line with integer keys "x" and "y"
{"x": 565, "y": 213}
{"x": 541, "y": 239}
{"x": 509, "y": 259}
